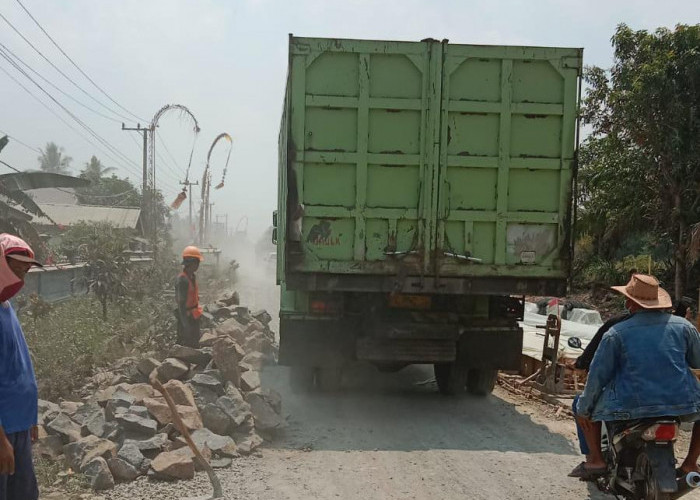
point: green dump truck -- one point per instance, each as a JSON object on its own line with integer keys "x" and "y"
{"x": 424, "y": 189}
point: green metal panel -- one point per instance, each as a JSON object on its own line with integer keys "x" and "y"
{"x": 393, "y": 154}
{"x": 507, "y": 155}
{"x": 361, "y": 153}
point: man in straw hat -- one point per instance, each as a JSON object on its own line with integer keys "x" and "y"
{"x": 642, "y": 369}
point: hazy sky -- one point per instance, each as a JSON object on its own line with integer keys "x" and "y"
{"x": 226, "y": 61}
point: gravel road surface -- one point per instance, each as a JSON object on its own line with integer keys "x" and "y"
{"x": 391, "y": 436}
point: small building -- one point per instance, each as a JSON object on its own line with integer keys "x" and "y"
{"x": 66, "y": 215}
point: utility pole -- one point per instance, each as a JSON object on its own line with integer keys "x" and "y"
{"x": 208, "y": 226}
{"x": 145, "y": 205}
{"x": 188, "y": 185}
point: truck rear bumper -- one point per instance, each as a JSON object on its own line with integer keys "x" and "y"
{"x": 327, "y": 282}
{"x": 307, "y": 341}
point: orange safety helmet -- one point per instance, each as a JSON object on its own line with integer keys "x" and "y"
{"x": 192, "y": 252}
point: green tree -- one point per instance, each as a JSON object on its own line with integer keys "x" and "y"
{"x": 94, "y": 171}
{"x": 54, "y": 160}
{"x": 640, "y": 167}
{"x": 101, "y": 247}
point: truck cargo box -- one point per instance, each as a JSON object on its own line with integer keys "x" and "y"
{"x": 427, "y": 166}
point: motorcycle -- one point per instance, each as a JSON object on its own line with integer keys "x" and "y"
{"x": 641, "y": 459}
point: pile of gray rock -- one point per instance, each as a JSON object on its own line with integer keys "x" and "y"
{"x": 124, "y": 428}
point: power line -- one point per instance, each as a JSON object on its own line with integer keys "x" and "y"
{"x": 75, "y": 64}
{"x": 138, "y": 146}
{"x": 59, "y": 70}
{"x": 106, "y": 152}
{"x": 4, "y": 47}
{"x": 162, "y": 142}
{"x": 68, "y": 112}
{"x": 36, "y": 150}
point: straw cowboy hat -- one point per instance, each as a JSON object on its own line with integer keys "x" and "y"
{"x": 645, "y": 291}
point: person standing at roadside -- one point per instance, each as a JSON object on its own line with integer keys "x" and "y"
{"x": 18, "y": 389}
{"x": 187, "y": 296}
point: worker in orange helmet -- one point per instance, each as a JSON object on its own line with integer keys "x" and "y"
{"x": 187, "y": 296}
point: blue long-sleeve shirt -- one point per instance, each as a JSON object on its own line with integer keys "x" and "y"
{"x": 643, "y": 369}
{"x": 18, "y": 390}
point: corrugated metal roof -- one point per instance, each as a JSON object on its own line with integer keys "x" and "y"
{"x": 68, "y": 215}
{"x": 61, "y": 196}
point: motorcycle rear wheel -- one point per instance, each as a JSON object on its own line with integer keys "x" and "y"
{"x": 648, "y": 488}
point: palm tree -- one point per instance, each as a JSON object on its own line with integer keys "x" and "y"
{"x": 94, "y": 170}
{"x": 53, "y": 159}
{"x": 17, "y": 207}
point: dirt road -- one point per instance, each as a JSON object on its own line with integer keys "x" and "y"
{"x": 392, "y": 437}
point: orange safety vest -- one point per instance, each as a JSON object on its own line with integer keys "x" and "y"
{"x": 192, "y": 303}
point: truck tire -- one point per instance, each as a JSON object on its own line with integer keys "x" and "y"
{"x": 481, "y": 382}
{"x": 301, "y": 379}
{"x": 451, "y": 378}
{"x": 328, "y": 378}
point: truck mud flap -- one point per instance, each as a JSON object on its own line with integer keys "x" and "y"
{"x": 492, "y": 348}
{"x": 406, "y": 350}
{"x": 316, "y": 341}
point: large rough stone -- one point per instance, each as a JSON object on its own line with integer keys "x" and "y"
{"x": 198, "y": 357}
{"x": 69, "y": 407}
{"x": 80, "y": 453}
{"x": 232, "y": 300}
{"x": 256, "y": 360}
{"x": 258, "y": 342}
{"x": 249, "y": 443}
{"x": 172, "y": 368}
{"x": 147, "y": 365}
{"x": 139, "y": 411}
{"x": 161, "y": 412}
{"x": 263, "y": 316}
{"x": 47, "y": 411}
{"x": 273, "y": 398}
{"x": 236, "y": 410}
{"x": 226, "y": 358}
{"x": 99, "y": 475}
{"x": 207, "y": 382}
{"x": 132, "y": 455}
{"x": 49, "y": 447}
{"x": 186, "y": 451}
{"x": 136, "y": 427}
{"x": 95, "y": 425}
{"x": 171, "y": 465}
{"x": 180, "y": 393}
{"x": 119, "y": 400}
{"x": 150, "y": 448}
{"x": 229, "y": 328}
{"x": 103, "y": 396}
{"x": 64, "y": 427}
{"x": 204, "y": 396}
{"x": 113, "y": 432}
{"x": 220, "y": 445}
{"x": 122, "y": 471}
{"x": 215, "y": 419}
{"x": 250, "y": 381}
{"x": 207, "y": 339}
{"x": 140, "y": 392}
{"x": 266, "y": 418}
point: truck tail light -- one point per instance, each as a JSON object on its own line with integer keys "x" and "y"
{"x": 324, "y": 306}
{"x": 662, "y": 432}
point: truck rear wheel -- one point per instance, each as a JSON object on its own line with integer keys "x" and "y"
{"x": 301, "y": 379}
{"x": 451, "y": 378}
{"x": 481, "y": 382}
